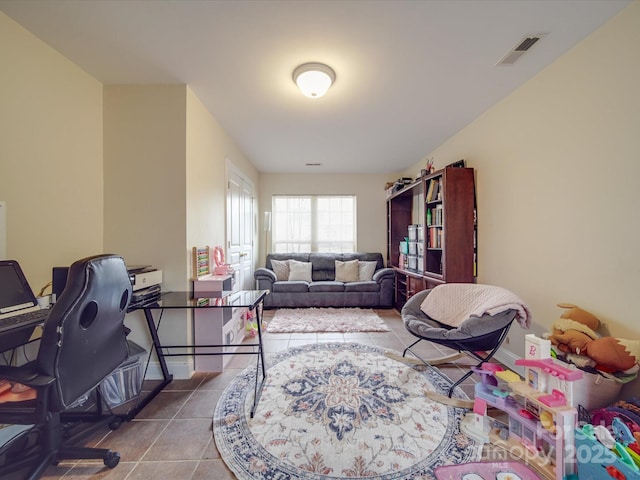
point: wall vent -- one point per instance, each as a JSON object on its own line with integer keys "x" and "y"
{"x": 313, "y": 164}
{"x": 520, "y": 49}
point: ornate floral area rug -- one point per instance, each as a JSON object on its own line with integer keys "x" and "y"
{"x": 307, "y": 320}
{"x": 337, "y": 411}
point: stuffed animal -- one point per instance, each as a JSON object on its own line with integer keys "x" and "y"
{"x": 574, "y": 332}
{"x": 573, "y": 312}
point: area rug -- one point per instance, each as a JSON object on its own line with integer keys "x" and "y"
{"x": 337, "y": 411}
{"x": 308, "y": 320}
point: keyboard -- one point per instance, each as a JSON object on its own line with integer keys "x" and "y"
{"x": 23, "y": 320}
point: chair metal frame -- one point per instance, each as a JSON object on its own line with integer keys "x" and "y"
{"x": 481, "y": 347}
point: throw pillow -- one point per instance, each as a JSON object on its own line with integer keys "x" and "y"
{"x": 300, "y": 271}
{"x": 281, "y": 269}
{"x": 366, "y": 270}
{"x": 347, "y": 271}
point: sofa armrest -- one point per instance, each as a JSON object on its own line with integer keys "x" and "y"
{"x": 264, "y": 274}
{"x": 382, "y": 274}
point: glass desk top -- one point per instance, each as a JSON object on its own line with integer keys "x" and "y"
{"x": 242, "y": 298}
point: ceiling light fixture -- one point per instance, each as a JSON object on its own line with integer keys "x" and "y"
{"x": 314, "y": 79}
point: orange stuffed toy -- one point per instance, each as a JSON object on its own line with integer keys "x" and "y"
{"x": 575, "y": 332}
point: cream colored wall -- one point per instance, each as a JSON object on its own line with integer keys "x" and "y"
{"x": 208, "y": 147}
{"x": 371, "y": 202}
{"x": 145, "y": 196}
{"x": 50, "y": 155}
{"x": 557, "y": 183}
{"x": 145, "y": 178}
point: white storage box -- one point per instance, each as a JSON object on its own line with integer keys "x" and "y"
{"x": 413, "y": 232}
{"x": 595, "y": 391}
{"x": 413, "y": 262}
{"x": 413, "y": 248}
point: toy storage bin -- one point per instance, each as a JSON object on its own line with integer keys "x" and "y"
{"x": 592, "y": 390}
{"x": 595, "y": 391}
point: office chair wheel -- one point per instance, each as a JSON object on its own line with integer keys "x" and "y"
{"x": 112, "y": 459}
{"x": 115, "y": 423}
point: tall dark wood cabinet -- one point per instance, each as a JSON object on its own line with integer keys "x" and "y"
{"x": 437, "y": 215}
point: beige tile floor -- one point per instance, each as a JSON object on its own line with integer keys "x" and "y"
{"x": 172, "y": 437}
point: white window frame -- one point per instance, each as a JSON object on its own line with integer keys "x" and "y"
{"x": 310, "y": 240}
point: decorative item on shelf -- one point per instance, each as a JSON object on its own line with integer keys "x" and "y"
{"x": 458, "y": 164}
{"x": 430, "y": 168}
{"x": 221, "y": 268}
{"x": 201, "y": 261}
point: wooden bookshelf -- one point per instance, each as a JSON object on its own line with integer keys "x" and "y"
{"x": 441, "y": 205}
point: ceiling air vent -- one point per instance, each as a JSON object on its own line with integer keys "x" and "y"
{"x": 520, "y": 49}
{"x": 313, "y": 164}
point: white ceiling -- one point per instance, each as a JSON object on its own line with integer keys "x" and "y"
{"x": 410, "y": 74}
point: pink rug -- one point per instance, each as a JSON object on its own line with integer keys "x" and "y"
{"x": 308, "y": 320}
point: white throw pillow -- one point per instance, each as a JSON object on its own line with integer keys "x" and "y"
{"x": 347, "y": 271}
{"x": 366, "y": 270}
{"x": 281, "y": 269}
{"x": 300, "y": 271}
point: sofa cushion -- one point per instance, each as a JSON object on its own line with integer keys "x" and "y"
{"x": 347, "y": 271}
{"x": 364, "y": 257}
{"x": 281, "y": 269}
{"x": 366, "y": 270}
{"x": 301, "y": 257}
{"x": 361, "y": 287}
{"x": 290, "y": 287}
{"x": 299, "y": 271}
{"x": 326, "y": 286}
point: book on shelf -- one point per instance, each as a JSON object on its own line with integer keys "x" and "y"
{"x": 434, "y": 190}
{"x": 430, "y": 190}
{"x": 435, "y": 238}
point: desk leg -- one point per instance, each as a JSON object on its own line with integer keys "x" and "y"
{"x": 259, "y": 365}
{"x": 166, "y": 376}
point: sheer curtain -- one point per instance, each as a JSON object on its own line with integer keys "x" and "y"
{"x": 314, "y": 223}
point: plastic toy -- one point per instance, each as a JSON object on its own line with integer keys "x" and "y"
{"x": 541, "y": 420}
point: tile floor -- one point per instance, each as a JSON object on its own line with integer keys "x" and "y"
{"x": 172, "y": 437}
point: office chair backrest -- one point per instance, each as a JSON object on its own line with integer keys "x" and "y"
{"x": 83, "y": 339}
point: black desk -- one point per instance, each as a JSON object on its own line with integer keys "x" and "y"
{"x": 250, "y": 299}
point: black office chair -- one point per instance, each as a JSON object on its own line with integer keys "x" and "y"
{"x": 83, "y": 341}
{"x": 478, "y": 336}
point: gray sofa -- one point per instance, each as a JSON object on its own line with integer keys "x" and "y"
{"x": 323, "y": 290}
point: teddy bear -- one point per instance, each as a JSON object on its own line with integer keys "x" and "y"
{"x": 574, "y": 333}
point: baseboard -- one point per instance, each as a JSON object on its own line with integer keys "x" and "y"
{"x": 180, "y": 370}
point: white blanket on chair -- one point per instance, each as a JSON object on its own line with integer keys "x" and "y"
{"x": 453, "y": 303}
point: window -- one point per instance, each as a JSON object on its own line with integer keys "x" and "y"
{"x": 314, "y": 223}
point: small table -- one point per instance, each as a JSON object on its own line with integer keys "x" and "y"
{"x": 251, "y": 299}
